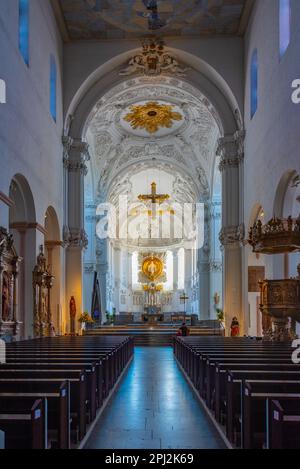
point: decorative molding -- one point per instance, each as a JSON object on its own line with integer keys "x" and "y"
{"x": 231, "y": 150}
{"x": 153, "y": 60}
{"x": 6, "y": 200}
{"x": 89, "y": 269}
{"x": 232, "y": 235}
{"x": 75, "y": 238}
{"x": 24, "y": 226}
{"x": 76, "y": 154}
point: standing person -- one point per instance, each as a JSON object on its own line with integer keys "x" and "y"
{"x": 235, "y": 327}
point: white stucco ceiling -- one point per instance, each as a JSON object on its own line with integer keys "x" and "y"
{"x": 186, "y": 150}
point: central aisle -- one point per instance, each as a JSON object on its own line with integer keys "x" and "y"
{"x": 154, "y": 408}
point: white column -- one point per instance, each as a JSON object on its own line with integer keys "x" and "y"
{"x": 233, "y": 230}
{"x": 215, "y": 259}
{"x": 75, "y": 237}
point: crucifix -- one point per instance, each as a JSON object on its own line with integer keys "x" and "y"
{"x": 154, "y": 198}
{"x": 184, "y": 298}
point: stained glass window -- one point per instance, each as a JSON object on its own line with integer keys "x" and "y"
{"x": 53, "y": 85}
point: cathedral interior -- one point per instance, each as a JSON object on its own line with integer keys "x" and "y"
{"x": 149, "y": 224}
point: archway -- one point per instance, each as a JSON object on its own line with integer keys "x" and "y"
{"x": 22, "y": 225}
{"x": 53, "y": 251}
{"x": 104, "y": 85}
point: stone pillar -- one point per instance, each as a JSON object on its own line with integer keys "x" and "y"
{"x": 175, "y": 270}
{"x": 231, "y": 151}
{"x": 117, "y": 255}
{"x": 215, "y": 260}
{"x": 204, "y": 267}
{"x": 75, "y": 157}
{"x": 102, "y": 269}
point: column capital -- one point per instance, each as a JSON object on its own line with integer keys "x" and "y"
{"x": 232, "y": 235}
{"x": 231, "y": 150}
{"x": 75, "y": 238}
{"x": 76, "y": 154}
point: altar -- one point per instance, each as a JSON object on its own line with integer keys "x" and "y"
{"x": 152, "y": 318}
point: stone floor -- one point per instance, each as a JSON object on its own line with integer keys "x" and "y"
{"x": 154, "y": 408}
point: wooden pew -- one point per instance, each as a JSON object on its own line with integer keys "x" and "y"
{"x": 283, "y": 423}
{"x": 23, "y": 420}
{"x": 254, "y": 395}
{"x": 57, "y": 394}
{"x": 221, "y": 378}
{"x": 77, "y": 381}
{"x": 233, "y": 395}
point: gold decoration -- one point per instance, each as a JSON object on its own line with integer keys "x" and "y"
{"x": 153, "y": 268}
{"x": 153, "y": 197}
{"x": 156, "y": 288}
{"x": 278, "y": 236}
{"x": 152, "y": 116}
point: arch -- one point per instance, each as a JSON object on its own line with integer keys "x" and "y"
{"x": 53, "y": 247}
{"x": 202, "y": 76}
{"x": 282, "y": 192}
{"x": 23, "y": 208}
{"x": 52, "y": 225}
{"x": 22, "y": 223}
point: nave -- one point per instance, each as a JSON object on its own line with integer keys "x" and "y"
{"x": 154, "y": 408}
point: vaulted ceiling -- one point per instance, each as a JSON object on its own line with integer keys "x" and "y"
{"x": 185, "y": 148}
{"x": 118, "y": 19}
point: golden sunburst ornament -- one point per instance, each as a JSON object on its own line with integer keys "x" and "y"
{"x": 152, "y": 116}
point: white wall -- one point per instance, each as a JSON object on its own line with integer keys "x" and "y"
{"x": 30, "y": 141}
{"x": 272, "y": 136}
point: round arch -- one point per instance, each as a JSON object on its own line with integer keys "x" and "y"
{"x": 201, "y": 75}
{"x": 22, "y": 224}
{"x": 53, "y": 248}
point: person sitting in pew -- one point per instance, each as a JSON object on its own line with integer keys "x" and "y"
{"x": 183, "y": 330}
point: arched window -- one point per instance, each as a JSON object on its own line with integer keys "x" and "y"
{"x": 254, "y": 83}
{"x": 169, "y": 271}
{"x": 24, "y": 29}
{"x": 181, "y": 269}
{"x": 284, "y": 25}
{"x": 53, "y": 85}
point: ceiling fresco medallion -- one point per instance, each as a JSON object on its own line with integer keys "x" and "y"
{"x": 152, "y": 116}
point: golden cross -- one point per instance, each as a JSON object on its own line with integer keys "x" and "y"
{"x": 154, "y": 197}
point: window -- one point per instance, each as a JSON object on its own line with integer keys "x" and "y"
{"x": 284, "y": 25}
{"x": 254, "y": 83}
{"x": 24, "y": 29}
{"x": 181, "y": 269}
{"x": 169, "y": 271}
{"x": 53, "y": 84}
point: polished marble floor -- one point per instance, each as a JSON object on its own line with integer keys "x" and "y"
{"x": 154, "y": 408}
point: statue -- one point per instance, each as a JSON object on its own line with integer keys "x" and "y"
{"x": 72, "y": 314}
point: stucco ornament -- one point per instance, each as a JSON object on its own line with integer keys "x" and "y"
{"x": 152, "y": 116}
